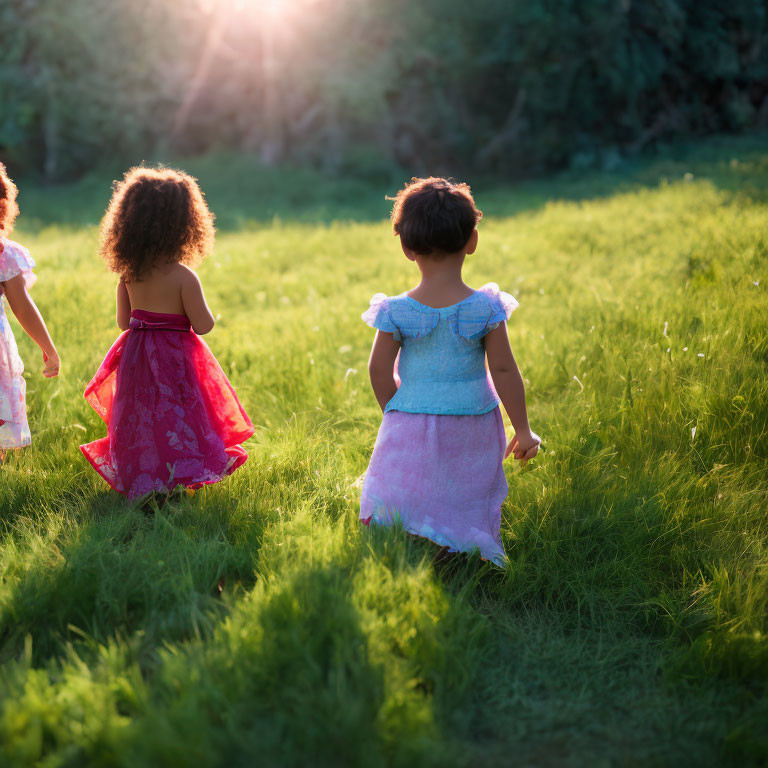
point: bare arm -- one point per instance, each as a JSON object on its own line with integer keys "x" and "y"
{"x": 30, "y": 319}
{"x": 195, "y": 307}
{"x": 381, "y": 367}
{"x": 123, "y": 307}
{"x": 511, "y": 390}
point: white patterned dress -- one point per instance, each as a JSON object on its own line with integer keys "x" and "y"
{"x": 14, "y": 429}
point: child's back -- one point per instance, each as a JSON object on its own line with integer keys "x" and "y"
{"x": 442, "y": 356}
{"x": 160, "y": 290}
{"x": 173, "y": 417}
{"x": 437, "y": 463}
{"x": 170, "y": 289}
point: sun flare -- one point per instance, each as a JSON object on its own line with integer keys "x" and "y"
{"x": 271, "y": 8}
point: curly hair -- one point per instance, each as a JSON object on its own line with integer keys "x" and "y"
{"x": 434, "y": 216}
{"x": 8, "y": 208}
{"x": 155, "y": 216}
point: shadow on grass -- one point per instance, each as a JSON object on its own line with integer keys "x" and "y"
{"x": 596, "y": 648}
{"x": 115, "y": 569}
{"x": 345, "y": 652}
{"x": 554, "y": 683}
{"x": 351, "y": 647}
{"x": 290, "y": 660}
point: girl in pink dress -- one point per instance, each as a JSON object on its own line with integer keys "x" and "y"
{"x": 172, "y": 416}
{"x": 16, "y": 277}
{"x": 437, "y": 463}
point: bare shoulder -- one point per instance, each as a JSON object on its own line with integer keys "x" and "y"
{"x": 185, "y": 275}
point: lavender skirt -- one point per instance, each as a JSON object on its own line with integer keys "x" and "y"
{"x": 442, "y": 477}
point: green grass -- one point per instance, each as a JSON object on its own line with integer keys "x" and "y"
{"x": 631, "y": 625}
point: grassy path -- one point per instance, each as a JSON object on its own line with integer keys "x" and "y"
{"x": 630, "y": 626}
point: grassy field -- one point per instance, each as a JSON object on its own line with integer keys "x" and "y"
{"x": 257, "y": 623}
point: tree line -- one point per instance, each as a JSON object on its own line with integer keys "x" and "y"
{"x": 506, "y": 86}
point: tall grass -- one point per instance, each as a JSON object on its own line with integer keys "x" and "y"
{"x": 258, "y": 623}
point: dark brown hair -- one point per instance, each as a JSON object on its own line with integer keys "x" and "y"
{"x": 434, "y": 216}
{"x": 8, "y": 208}
{"x": 156, "y": 216}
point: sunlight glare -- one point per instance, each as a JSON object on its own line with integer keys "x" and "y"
{"x": 269, "y": 7}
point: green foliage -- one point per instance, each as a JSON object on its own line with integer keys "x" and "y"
{"x": 83, "y": 82}
{"x": 258, "y": 623}
{"x": 357, "y": 86}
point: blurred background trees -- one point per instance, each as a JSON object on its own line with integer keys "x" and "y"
{"x": 501, "y": 86}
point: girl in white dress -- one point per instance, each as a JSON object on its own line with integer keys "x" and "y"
{"x": 16, "y": 277}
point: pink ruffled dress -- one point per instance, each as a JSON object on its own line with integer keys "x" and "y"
{"x": 437, "y": 463}
{"x": 14, "y": 429}
{"x": 172, "y": 416}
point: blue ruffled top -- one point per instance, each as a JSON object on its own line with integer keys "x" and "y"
{"x": 442, "y": 358}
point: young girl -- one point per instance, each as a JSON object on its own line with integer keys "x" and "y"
{"x": 172, "y": 415}
{"x": 16, "y": 276}
{"x": 437, "y": 462}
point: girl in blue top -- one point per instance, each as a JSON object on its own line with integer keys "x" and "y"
{"x": 437, "y": 462}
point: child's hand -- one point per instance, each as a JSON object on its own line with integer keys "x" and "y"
{"x": 523, "y": 446}
{"x": 52, "y": 363}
